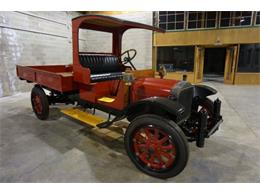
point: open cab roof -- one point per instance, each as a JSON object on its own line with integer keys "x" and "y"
{"x": 108, "y": 24}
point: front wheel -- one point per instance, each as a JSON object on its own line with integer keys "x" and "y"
{"x": 156, "y": 146}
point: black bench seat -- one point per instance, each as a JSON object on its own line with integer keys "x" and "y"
{"x": 102, "y": 66}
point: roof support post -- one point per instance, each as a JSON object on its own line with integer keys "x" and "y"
{"x": 117, "y": 43}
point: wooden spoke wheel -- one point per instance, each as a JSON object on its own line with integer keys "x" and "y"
{"x": 156, "y": 146}
{"x": 40, "y": 103}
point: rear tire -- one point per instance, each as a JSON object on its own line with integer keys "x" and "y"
{"x": 39, "y": 103}
{"x": 157, "y": 146}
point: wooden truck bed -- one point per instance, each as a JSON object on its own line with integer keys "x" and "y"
{"x": 57, "y": 77}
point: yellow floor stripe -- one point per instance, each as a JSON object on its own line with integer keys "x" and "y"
{"x": 83, "y": 116}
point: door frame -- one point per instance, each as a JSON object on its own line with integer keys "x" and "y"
{"x": 231, "y": 60}
{"x": 232, "y": 55}
{"x": 199, "y": 64}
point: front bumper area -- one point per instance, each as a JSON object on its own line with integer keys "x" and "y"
{"x": 217, "y": 120}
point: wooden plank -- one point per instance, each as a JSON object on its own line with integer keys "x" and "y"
{"x": 208, "y": 37}
{"x": 247, "y": 78}
{"x": 143, "y": 73}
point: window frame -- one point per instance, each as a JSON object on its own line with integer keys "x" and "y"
{"x": 175, "y": 22}
{"x": 216, "y": 19}
{"x": 188, "y": 20}
{"x": 217, "y": 23}
{"x": 202, "y": 21}
{"x": 255, "y": 18}
{"x": 240, "y": 26}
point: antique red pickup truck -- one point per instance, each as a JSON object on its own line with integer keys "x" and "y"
{"x": 163, "y": 114}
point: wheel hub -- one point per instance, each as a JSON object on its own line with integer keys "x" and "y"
{"x": 151, "y": 150}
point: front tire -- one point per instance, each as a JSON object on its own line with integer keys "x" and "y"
{"x": 157, "y": 146}
{"x": 40, "y": 103}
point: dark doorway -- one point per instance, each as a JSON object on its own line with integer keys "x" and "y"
{"x": 214, "y": 64}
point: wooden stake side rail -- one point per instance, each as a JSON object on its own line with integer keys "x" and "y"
{"x": 57, "y": 77}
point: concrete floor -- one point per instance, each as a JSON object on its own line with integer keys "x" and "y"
{"x": 62, "y": 150}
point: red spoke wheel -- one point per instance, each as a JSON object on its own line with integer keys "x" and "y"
{"x": 37, "y": 104}
{"x": 40, "y": 103}
{"x": 154, "y": 147}
{"x": 157, "y": 146}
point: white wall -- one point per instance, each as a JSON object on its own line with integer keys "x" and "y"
{"x": 31, "y": 38}
{"x": 141, "y": 40}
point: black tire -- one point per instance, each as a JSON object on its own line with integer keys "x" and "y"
{"x": 40, "y": 104}
{"x": 175, "y": 136}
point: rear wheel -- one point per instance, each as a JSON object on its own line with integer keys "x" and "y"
{"x": 156, "y": 146}
{"x": 40, "y": 103}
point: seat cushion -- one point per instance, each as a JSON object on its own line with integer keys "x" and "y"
{"x": 100, "y": 64}
{"x": 106, "y": 76}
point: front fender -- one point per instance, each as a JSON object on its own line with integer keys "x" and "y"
{"x": 203, "y": 91}
{"x": 156, "y": 105}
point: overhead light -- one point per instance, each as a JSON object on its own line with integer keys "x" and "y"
{"x": 242, "y": 19}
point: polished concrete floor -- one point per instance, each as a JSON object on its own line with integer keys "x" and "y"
{"x": 62, "y": 150}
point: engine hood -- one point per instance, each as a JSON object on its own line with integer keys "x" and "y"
{"x": 150, "y": 87}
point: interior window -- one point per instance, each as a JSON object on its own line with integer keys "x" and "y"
{"x": 197, "y": 20}
{"x": 249, "y": 56}
{"x": 171, "y": 20}
{"x": 237, "y": 18}
{"x": 176, "y": 58}
{"x": 194, "y": 20}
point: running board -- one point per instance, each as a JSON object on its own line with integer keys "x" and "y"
{"x": 104, "y": 124}
{"x": 82, "y": 116}
{"x": 106, "y": 99}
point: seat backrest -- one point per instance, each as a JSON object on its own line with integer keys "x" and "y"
{"x": 99, "y": 64}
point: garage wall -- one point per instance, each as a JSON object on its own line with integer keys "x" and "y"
{"x": 31, "y": 38}
{"x": 141, "y": 40}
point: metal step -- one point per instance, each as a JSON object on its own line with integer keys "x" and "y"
{"x": 82, "y": 116}
{"x": 106, "y": 99}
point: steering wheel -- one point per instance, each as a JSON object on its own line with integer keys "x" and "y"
{"x": 128, "y": 58}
